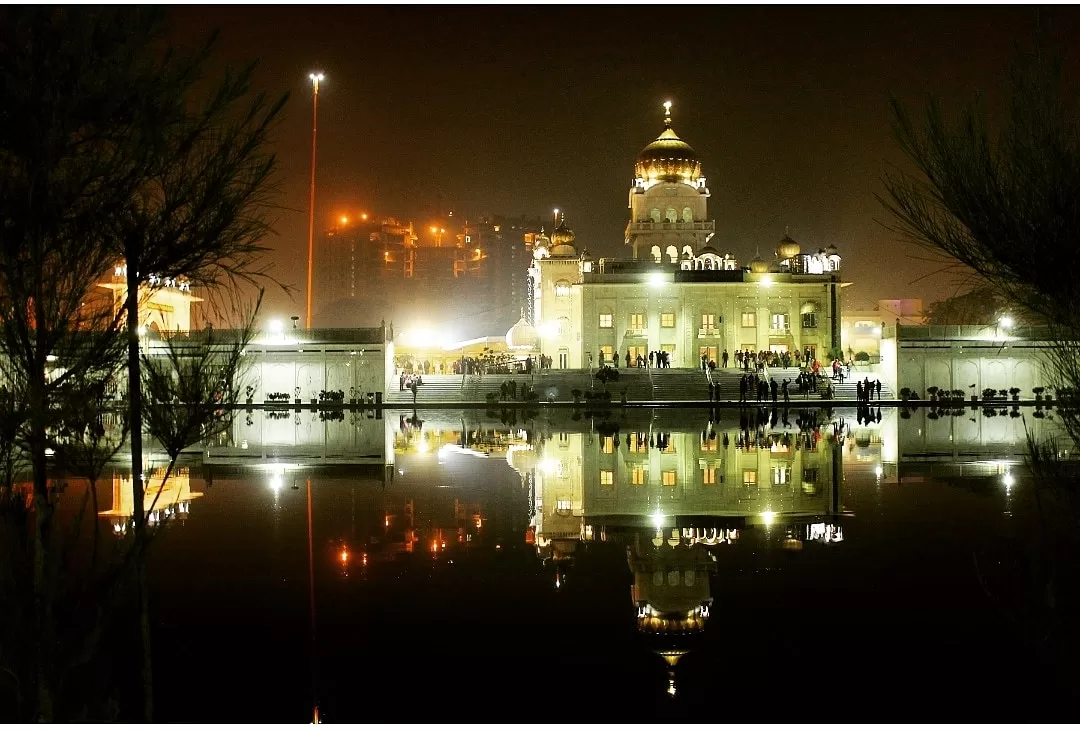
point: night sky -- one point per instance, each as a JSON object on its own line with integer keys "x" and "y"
{"x": 516, "y": 110}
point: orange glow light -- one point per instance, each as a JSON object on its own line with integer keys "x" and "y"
{"x": 344, "y": 556}
{"x": 363, "y": 216}
{"x": 344, "y": 219}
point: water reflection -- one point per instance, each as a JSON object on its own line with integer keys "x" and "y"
{"x": 690, "y": 497}
{"x": 167, "y": 495}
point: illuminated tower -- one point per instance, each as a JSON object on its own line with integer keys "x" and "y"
{"x": 668, "y": 200}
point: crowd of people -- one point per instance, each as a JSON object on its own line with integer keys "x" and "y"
{"x": 655, "y": 359}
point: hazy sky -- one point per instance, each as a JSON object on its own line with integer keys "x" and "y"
{"x": 521, "y": 109}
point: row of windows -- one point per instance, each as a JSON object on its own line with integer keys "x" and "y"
{"x": 778, "y": 321}
{"x": 781, "y": 476}
{"x": 671, "y": 215}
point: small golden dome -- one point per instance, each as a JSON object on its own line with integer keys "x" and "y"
{"x": 787, "y": 248}
{"x": 668, "y": 157}
{"x": 758, "y": 266}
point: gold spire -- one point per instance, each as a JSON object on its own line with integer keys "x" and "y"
{"x": 667, "y": 113}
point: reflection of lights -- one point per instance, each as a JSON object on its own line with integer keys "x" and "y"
{"x": 277, "y": 481}
{"x": 1008, "y": 480}
{"x": 656, "y": 279}
{"x": 767, "y": 518}
{"x": 422, "y": 446}
{"x": 49, "y": 451}
{"x": 658, "y": 519}
{"x": 879, "y": 471}
{"x": 766, "y": 281}
{"x": 1006, "y": 321}
{"x": 547, "y": 466}
{"x": 455, "y": 449}
{"x": 275, "y": 326}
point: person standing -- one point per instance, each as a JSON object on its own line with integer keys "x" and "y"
{"x": 742, "y": 388}
{"x": 787, "y": 394}
{"x": 724, "y": 359}
{"x": 773, "y": 385}
{"x": 877, "y": 388}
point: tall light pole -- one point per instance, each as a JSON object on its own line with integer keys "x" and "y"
{"x": 316, "y": 78}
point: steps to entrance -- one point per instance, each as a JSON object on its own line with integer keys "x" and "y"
{"x": 671, "y": 385}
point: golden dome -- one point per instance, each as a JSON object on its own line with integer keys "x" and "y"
{"x": 787, "y": 248}
{"x": 668, "y": 157}
{"x": 757, "y": 266}
{"x": 562, "y": 240}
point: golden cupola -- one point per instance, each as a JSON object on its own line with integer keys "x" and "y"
{"x": 787, "y": 248}
{"x": 562, "y": 240}
{"x": 667, "y": 157}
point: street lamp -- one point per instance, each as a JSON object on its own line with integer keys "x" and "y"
{"x": 316, "y": 79}
{"x": 1006, "y": 322}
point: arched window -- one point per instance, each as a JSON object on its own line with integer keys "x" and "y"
{"x": 688, "y": 252}
{"x": 687, "y": 215}
{"x": 656, "y": 253}
{"x": 671, "y": 216}
{"x": 655, "y": 215}
{"x": 673, "y": 254}
{"x": 562, "y": 288}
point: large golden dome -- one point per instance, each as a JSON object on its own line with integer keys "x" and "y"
{"x": 787, "y": 248}
{"x": 562, "y": 240}
{"x": 668, "y": 157}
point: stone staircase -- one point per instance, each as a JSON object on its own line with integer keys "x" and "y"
{"x": 639, "y": 384}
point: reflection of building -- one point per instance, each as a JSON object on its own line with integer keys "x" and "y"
{"x": 163, "y": 498}
{"x": 674, "y": 497}
{"x": 678, "y": 293}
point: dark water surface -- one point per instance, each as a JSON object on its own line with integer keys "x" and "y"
{"x": 559, "y": 570}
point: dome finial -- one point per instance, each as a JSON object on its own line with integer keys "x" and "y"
{"x": 667, "y": 113}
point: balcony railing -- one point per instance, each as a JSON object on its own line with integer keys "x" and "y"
{"x": 779, "y": 331}
{"x": 708, "y": 332}
{"x": 636, "y": 332}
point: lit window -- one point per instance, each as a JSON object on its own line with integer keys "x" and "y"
{"x": 668, "y": 478}
{"x": 607, "y": 352}
{"x": 637, "y": 475}
{"x": 607, "y": 320}
{"x": 779, "y": 321}
{"x": 562, "y": 288}
{"x": 708, "y": 321}
{"x": 608, "y": 445}
{"x": 709, "y": 444}
{"x": 708, "y": 475}
{"x": 749, "y": 319}
{"x": 639, "y": 443}
{"x": 809, "y": 320}
{"x": 667, "y": 319}
{"x": 607, "y": 477}
{"x": 637, "y": 321}
{"x": 749, "y": 478}
{"x": 781, "y": 475}
{"x": 562, "y": 505}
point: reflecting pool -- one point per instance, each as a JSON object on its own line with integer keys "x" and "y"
{"x": 623, "y": 566}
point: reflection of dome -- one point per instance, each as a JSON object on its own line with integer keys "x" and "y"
{"x": 521, "y": 336}
{"x": 668, "y": 157}
{"x": 787, "y": 248}
{"x": 757, "y": 266}
{"x": 706, "y": 249}
{"x": 521, "y": 459}
{"x": 562, "y": 240}
{"x": 831, "y": 251}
